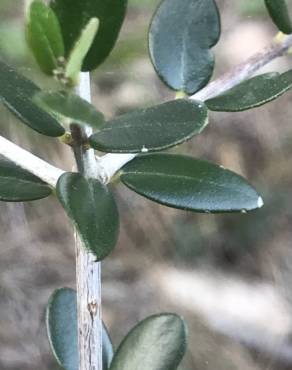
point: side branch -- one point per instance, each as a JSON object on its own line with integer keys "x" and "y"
{"x": 111, "y": 163}
{"x": 30, "y": 162}
{"x": 244, "y": 70}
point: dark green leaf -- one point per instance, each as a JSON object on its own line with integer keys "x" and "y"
{"x": 151, "y": 129}
{"x": 278, "y": 10}
{"x": 16, "y": 93}
{"x": 181, "y": 35}
{"x": 156, "y": 343}
{"x": 44, "y": 36}
{"x": 69, "y": 106}
{"x": 62, "y": 330}
{"x": 107, "y": 349}
{"x": 18, "y": 185}
{"x": 74, "y": 16}
{"x": 80, "y": 50}
{"x": 62, "y": 327}
{"x": 188, "y": 183}
{"x": 93, "y": 210}
{"x": 252, "y": 93}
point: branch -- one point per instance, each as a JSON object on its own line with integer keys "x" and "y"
{"x": 111, "y": 163}
{"x": 244, "y": 70}
{"x": 30, "y": 162}
{"x": 88, "y": 277}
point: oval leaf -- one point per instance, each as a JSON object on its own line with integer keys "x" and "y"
{"x": 150, "y": 129}
{"x": 252, "y": 93}
{"x": 156, "y": 343}
{"x": 61, "y": 318}
{"x": 16, "y": 93}
{"x": 190, "y": 184}
{"x": 44, "y": 36}
{"x": 19, "y": 185}
{"x": 180, "y": 37}
{"x": 279, "y": 13}
{"x": 69, "y": 106}
{"x": 74, "y": 16}
{"x": 93, "y": 210}
{"x": 80, "y": 51}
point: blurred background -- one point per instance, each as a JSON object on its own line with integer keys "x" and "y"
{"x": 230, "y": 276}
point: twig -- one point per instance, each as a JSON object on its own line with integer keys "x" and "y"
{"x": 244, "y": 70}
{"x": 88, "y": 272}
{"x": 111, "y": 163}
{"x": 30, "y": 162}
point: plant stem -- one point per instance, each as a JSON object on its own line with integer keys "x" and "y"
{"x": 88, "y": 279}
{"x": 30, "y": 162}
{"x": 244, "y": 70}
{"x": 109, "y": 164}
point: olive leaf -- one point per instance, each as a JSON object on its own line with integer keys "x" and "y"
{"x": 180, "y": 38}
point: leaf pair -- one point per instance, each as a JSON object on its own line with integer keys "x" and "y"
{"x": 156, "y": 343}
{"x": 67, "y": 30}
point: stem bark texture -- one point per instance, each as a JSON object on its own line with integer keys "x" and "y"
{"x": 88, "y": 272}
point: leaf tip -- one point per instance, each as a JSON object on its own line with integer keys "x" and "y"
{"x": 260, "y": 202}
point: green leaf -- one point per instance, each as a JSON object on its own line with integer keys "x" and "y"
{"x": 16, "y": 93}
{"x": 18, "y": 185}
{"x": 62, "y": 329}
{"x": 156, "y": 343}
{"x": 61, "y": 317}
{"x": 69, "y": 106}
{"x": 107, "y": 349}
{"x": 180, "y": 37}
{"x": 151, "y": 129}
{"x": 191, "y": 184}
{"x": 93, "y": 210}
{"x": 279, "y": 13}
{"x": 74, "y": 16}
{"x": 44, "y": 37}
{"x": 80, "y": 50}
{"x": 252, "y": 93}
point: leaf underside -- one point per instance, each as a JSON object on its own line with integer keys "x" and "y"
{"x": 152, "y": 129}
{"x": 186, "y": 183}
{"x": 16, "y": 93}
{"x": 69, "y": 106}
{"x": 252, "y": 93}
{"x": 156, "y": 343}
{"x": 180, "y": 38}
